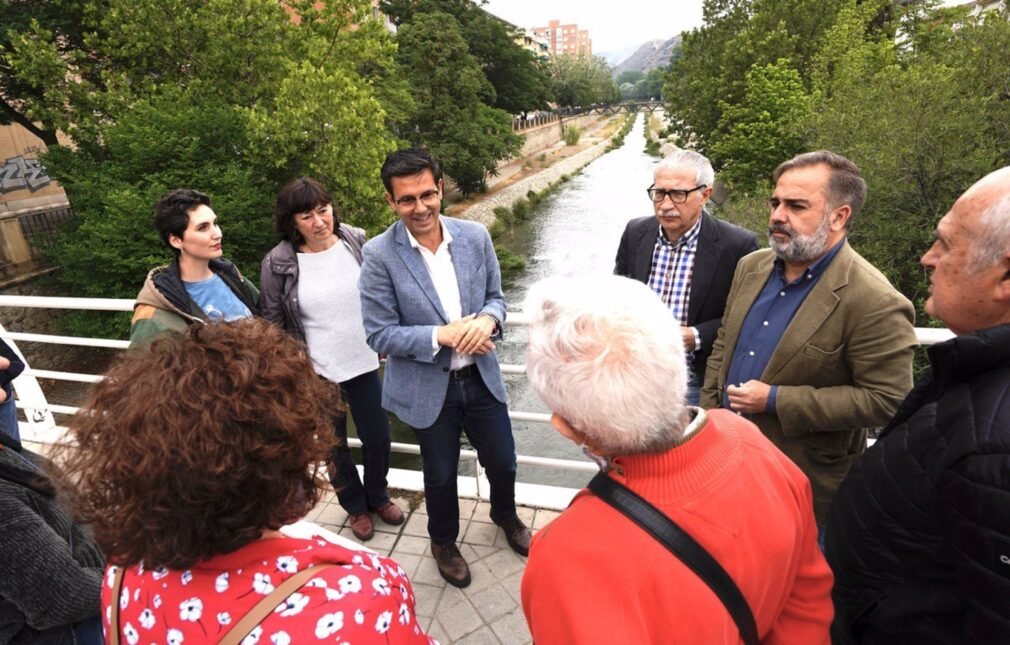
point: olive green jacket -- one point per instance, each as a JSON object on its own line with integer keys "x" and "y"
{"x": 843, "y": 365}
{"x": 164, "y": 306}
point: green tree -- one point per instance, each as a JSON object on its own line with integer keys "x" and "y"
{"x": 922, "y": 122}
{"x": 46, "y": 65}
{"x": 651, "y": 87}
{"x": 519, "y": 79}
{"x": 629, "y": 76}
{"x": 582, "y": 80}
{"x": 467, "y": 136}
{"x": 231, "y": 97}
{"x": 711, "y": 70}
{"x": 693, "y": 88}
{"x": 177, "y": 139}
{"x": 765, "y": 128}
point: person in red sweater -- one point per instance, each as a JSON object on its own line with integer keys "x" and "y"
{"x": 607, "y": 359}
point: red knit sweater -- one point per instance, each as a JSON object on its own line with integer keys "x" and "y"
{"x": 595, "y": 577}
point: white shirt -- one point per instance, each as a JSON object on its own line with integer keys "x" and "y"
{"x": 330, "y": 306}
{"x": 443, "y": 275}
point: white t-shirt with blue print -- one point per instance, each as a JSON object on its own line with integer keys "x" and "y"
{"x": 218, "y": 302}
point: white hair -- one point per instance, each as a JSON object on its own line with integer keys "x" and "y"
{"x": 606, "y": 355}
{"x": 992, "y": 237}
{"x": 690, "y": 160}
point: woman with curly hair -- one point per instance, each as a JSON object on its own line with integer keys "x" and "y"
{"x": 309, "y": 286}
{"x": 190, "y": 460}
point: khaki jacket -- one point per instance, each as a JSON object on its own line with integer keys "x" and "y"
{"x": 842, "y": 366}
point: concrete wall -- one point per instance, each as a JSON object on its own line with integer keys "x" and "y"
{"x": 24, "y": 184}
{"x": 547, "y": 135}
{"x": 24, "y": 188}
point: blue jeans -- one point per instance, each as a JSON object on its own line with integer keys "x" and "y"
{"x": 9, "y": 414}
{"x": 86, "y": 632}
{"x": 693, "y": 388}
{"x": 363, "y": 395}
{"x": 469, "y": 407}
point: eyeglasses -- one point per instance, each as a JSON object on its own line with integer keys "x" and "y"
{"x": 676, "y": 196}
{"x": 429, "y": 197}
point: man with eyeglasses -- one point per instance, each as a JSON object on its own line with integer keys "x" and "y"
{"x": 689, "y": 258}
{"x": 431, "y": 301}
{"x": 816, "y": 345}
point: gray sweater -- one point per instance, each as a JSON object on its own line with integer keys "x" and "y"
{"x": 50, "y": 569}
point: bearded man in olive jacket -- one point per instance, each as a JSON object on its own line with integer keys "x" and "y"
{"x": 816, "y": 345}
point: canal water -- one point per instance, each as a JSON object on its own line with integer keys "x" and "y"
{"x": 574, "y": 232}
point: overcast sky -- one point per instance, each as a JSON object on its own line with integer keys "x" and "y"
{"x": 613, "y": 25}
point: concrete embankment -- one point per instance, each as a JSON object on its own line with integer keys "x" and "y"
{"x": 483, "y": 211}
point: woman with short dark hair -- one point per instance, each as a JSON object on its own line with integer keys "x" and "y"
{"x": 309, "y": 287}
{"x": 191, "y": 457}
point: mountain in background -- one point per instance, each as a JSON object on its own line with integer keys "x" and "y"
{"x": 615, "y": 57}
{"x": 655, "y": 53}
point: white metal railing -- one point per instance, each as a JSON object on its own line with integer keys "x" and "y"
{"x": 40, "y": 426}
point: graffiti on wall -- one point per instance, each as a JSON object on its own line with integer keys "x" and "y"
{"x": 18, "y": 173}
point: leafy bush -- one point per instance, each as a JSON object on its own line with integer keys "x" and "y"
{"x": 571, "y": 134}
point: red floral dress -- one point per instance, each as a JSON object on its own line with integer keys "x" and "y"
{"x": 367, "y": 599}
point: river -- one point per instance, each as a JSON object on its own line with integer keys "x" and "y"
{"x": 573, "y": 232}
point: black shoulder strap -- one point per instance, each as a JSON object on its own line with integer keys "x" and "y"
{"x": 681, "y": 545}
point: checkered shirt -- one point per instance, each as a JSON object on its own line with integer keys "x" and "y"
{"x": 672, "y": 269}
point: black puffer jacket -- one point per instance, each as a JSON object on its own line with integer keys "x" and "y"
{"x": 919, "y": 533}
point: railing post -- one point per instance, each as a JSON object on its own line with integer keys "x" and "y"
{"x": 483, "y": 483}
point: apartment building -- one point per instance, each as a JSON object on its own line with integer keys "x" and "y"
{"x": 565, "y": 39}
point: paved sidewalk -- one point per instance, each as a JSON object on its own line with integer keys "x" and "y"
{"x": 489, "y": 610}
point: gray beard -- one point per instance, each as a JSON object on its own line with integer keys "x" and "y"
{"x": 800, "y": 249}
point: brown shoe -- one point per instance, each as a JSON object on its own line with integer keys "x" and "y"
{"x": 517, "y": 535}
{"x": 390, "y": 513}
{"x": 361, "y": 526}
{"x": 451, "y": 564}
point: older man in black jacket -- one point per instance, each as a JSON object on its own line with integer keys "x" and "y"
{"x": 685, "y": 255}
{"x": 919, "y": 533}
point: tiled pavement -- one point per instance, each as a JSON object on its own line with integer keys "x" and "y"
{"x": 489, "y": 610}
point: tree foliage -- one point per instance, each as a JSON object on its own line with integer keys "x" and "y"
{"x": 756, "y": 134}
{"x": 519, "y": 79}
{"x": 453, "y": 119}
{"x": 915, "y": 93}
{"x": 582, "y": 80}
{"x": 47, "y": 69}
{"x": 231, "y": 97}
{"x": 641, "y": 86}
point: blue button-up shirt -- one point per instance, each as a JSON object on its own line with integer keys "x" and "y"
{"x": 767, "y": 321}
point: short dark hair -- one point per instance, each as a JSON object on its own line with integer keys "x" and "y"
{"x": 171, "y": 213}
{"x": 406, "y": 162}
{"x": 300, "y": 196}
{"x": 846, "y": 185}
{"x": 197, "y": 446}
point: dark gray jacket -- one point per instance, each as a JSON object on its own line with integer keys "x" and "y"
{"x": 50, "y": 570}
{"x": 279, "y": 280}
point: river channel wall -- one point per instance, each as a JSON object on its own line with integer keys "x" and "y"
{"x": 548, "y": 134}
{"x": 483, "y": 211}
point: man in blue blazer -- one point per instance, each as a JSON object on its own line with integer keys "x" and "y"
{"x": 685, "y": 255}
{"x": 432, "y": 302}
